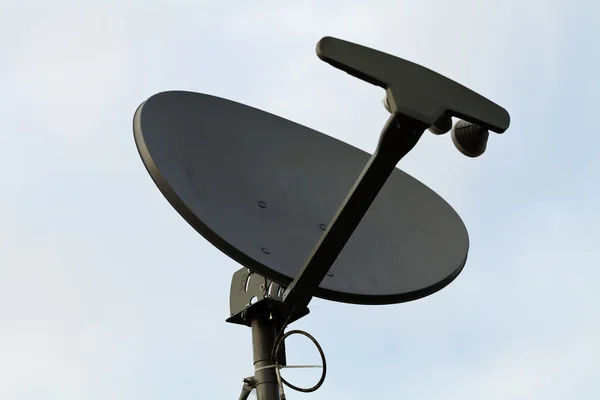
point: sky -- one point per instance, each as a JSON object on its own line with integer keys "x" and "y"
{"x": 107, "y": 293}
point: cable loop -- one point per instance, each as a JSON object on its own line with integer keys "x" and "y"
{"x": 277, "y": 367}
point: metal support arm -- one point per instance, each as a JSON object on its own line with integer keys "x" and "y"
{"x": 400, "y": 134}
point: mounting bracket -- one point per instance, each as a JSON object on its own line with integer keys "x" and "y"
{"x": 253, "y": 296}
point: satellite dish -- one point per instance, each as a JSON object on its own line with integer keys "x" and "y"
{"x": 262, "y": 188}
{"x": 307, "y": 215}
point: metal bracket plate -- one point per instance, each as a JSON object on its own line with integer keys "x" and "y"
{"x": 253, "y": 295}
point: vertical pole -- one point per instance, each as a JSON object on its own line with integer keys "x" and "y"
{"x": 263, "y": 339}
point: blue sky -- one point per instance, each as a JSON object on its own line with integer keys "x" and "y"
{"x": 105, "y": 292}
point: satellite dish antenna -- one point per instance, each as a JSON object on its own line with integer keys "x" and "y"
{"x": 308, "y": 215}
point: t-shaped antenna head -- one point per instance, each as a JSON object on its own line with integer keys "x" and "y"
{"x": 413, "y": 90}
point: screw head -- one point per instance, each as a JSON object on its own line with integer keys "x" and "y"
{"x": 266, "y": 251}
{"x": 322, "y": 227}
{"x": 262, "y": 204}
